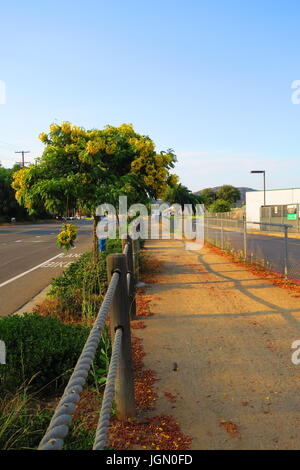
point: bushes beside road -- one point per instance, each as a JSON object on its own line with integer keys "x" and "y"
{"x": 42, "y": 350}
{"x": 41, "y": 353}
{"x": 77, "y": 295}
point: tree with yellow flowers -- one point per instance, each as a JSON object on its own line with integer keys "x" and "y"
{"x": 84, "y": 168}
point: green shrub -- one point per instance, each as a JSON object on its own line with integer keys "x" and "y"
{"x": 84, "y": 272}
{"x": 80, "y": 289}
{"x": 42, "y": 351}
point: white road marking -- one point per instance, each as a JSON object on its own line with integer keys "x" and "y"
{"x": 30, "y": 270}
{"x": 18, "y": 241}
{"x": 53, "y": 264}
{"x": 73, "y": 255}
{"x": 61, "y": 264}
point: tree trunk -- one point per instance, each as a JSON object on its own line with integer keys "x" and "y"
{"x": 95, "y": 240}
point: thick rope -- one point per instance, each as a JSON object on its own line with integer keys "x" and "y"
{"x": 59, "y": 425}
{"x": 103, "y": 423}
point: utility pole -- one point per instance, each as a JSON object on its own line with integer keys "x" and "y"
{"x": 22, "y": 163}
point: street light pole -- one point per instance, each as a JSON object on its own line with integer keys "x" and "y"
{"x": 264, "y": 173}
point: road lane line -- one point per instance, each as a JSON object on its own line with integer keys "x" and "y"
{"x": 29, "y": 270}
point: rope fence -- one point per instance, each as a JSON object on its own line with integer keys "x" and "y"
{"x": 119, "y": 301}
{"x": 102, "y": 428}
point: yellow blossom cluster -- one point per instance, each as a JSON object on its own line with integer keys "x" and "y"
{"x": 94, "y": 146}
{"x": 142, "y": 146}
{"x": 43, "y": 137}
{"x": 153, "y": 166}
{"x": 54, "y": 128}
{"x": 111, "y": 147}
{"x": 127, "y": 129}
{"x": 66, "y": 127}
{"x": 77, "y": 131}
{"x": 19, "y": 183}
{"x": 173, "y": 180}
{"x": 65, "y": 239}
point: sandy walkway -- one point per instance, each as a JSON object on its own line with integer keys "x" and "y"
{"x": 230, "y": 334}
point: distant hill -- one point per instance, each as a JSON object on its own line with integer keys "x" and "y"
{"x": 243, "y": 190}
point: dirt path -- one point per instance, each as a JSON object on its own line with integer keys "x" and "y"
{"x": 230, "y": 334}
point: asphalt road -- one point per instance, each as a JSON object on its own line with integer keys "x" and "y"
{"x": 30, "y": 258}
{"x": 263, "y": 247}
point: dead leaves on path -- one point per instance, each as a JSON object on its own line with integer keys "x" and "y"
{"x": 170, "y": 397}
{"x": 142, "y": 304}
{"x": 230, "y": 427}
{"x": 274, "y": 278}
{"x": 156, "y": 433}
{"x": 150, "y": 264}
{"x": 137, "y": 325}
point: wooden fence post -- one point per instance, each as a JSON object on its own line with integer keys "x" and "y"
{"x": 119, "y": 317}
{"x": 131, "y": 271}
{"x": 135, "y": 256}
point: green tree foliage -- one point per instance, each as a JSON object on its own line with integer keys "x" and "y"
{"x": 8, "y": 204}
{"x": 208, "y": 196}
{"x": 84, "y": 168}
{"x": 179, "y": 194}
{"x": 220, "y": 206}
{"x": 228, "y": 193}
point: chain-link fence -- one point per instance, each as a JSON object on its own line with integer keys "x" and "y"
{"x": 282, "y": 214}
{"x": 267, "y": 244}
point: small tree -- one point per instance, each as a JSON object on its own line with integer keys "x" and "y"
{"x": 220, "y": 206}
{"x": 229, "y": 193}
{"x": 208, "y": 196}
{"x": 179, "y": 194}
{"x": 84, "y": 168}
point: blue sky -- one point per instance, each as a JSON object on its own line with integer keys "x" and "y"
{"x": 210, "y": 79}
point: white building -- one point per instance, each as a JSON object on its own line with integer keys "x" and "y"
{"x": 282, "y": 206}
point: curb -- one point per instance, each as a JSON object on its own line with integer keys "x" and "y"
{"x": 28, "y": 307}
